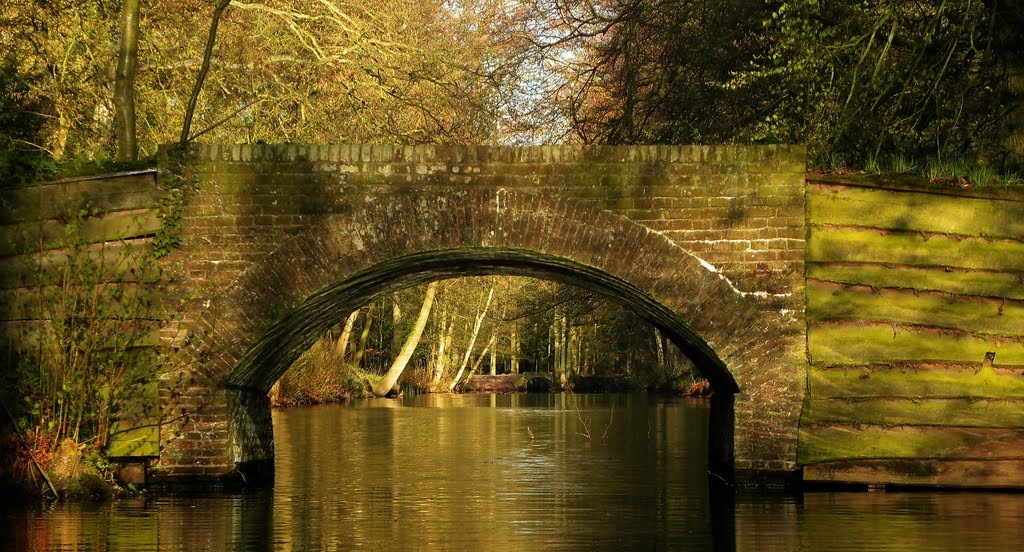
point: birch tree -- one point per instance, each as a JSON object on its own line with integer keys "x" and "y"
{"x": 472, "y": 341}
{"x": 384, "y": 385}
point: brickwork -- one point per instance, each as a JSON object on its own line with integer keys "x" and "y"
{"x": 706, "y": 242}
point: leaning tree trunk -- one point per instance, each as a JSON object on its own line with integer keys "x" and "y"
{"x": 341, "y": 346}
{"x": 483, "y": 355}
{"x": 384, "y": 385}
{"x": 190, "y": 109}
{"x": 472, "y": 342}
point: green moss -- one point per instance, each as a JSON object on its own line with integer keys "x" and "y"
{"x": 916, "y": 211}
{"x": 88, "y": 487}
{"x": 916, "y": 411}
{"x": 912, "y": 383}
{"x": 982, "y": 284}
{"x": 919, "y": 183}
{"x": 824, "y": 245}
{"x": 882, "y": 343}
{"x": 824, "y": 443}
{"x": 980, "y": 317}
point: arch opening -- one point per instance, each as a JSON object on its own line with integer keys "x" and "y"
{"x": 538, "y": 384}
{"x": 277, "y": 349}
{"x": 274, "y": 353}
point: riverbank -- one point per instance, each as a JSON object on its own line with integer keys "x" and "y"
{"x": 36, "y": 469}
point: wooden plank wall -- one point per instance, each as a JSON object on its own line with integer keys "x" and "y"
{"x": 34, "y": 268}
{"x": 915, "y": 313}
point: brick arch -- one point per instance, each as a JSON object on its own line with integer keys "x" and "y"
{"x": 250, "y": 333}
{"x": 267, "y": 359}
{"x": 565, "y": 239}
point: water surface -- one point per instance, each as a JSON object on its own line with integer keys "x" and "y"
{"x": 513, "y": 472}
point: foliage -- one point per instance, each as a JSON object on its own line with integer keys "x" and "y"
{"x": 651, "y": 72}
{"x": 21, "y": 123}
{"x": 64, "y": 52}
{"x": 179, "y": 184}
{"x": 861, "y": 80}
{"x": 319, "y": 71}
{"x": 320, "y": 376}
{"x": 86, "y": 360}
{"x": 856, "y": 81}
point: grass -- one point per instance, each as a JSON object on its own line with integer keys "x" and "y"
{"x": 900, "y": 164}
{"x": 949, "y": 170}
{"x": 952, "y": 170}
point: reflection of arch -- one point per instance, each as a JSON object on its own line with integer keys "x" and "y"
{"x": 254, "y": 329}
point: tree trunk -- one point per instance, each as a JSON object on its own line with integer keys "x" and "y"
{"x": 341, "y": 346}
{"x": 384, "y": 385}
{"x": 494, "y": 354}
{"x": 124, "y": 82}
{"x": 396, "y": 331}
{"x": 483, "y": 355}
{"x": 513, "y": 361}
{"x": 190, "y": 110}
{"x": 660, "y": 346}
{"x": 472, "y": 342}
{"x": 443, "y": 351}
{"x": 357, "y": 358}
{"x": 562, "y": 349}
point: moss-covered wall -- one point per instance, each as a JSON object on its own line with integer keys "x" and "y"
{"x": 915, "y": 314}
{"x": 82, "y": 247}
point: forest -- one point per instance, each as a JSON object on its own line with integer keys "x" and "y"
{"x": 877, "y": 85}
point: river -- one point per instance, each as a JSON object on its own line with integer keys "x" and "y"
{"x": 513, "y": 472}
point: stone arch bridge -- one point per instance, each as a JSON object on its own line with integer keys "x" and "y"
{"x": 292, "y": 238}
{"x": 782, "y": 291}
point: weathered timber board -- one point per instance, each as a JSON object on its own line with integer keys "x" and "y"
{"x": 112, "y": 301}
{"x": 936, "y": 382}
{"x": 980, "y": 317}
{"x": 43, "y": 235}
{"x": 925, "y": 212}
{"x": 944, "y": 473}
{"x": 848, "y": 245}
{"x": 137, "y": 431}
{"x": 47, "y": 201}
{"x": 109, "y": 262}
{"x": 826, "y": 443}
{"x": 1008, "y": 285}
{"x": 961, "y": 412}
{"x": 881, "y": 343}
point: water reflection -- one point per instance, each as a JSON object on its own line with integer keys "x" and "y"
{"x": 512, "y": 472}
{"x": 496, "y": 472}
